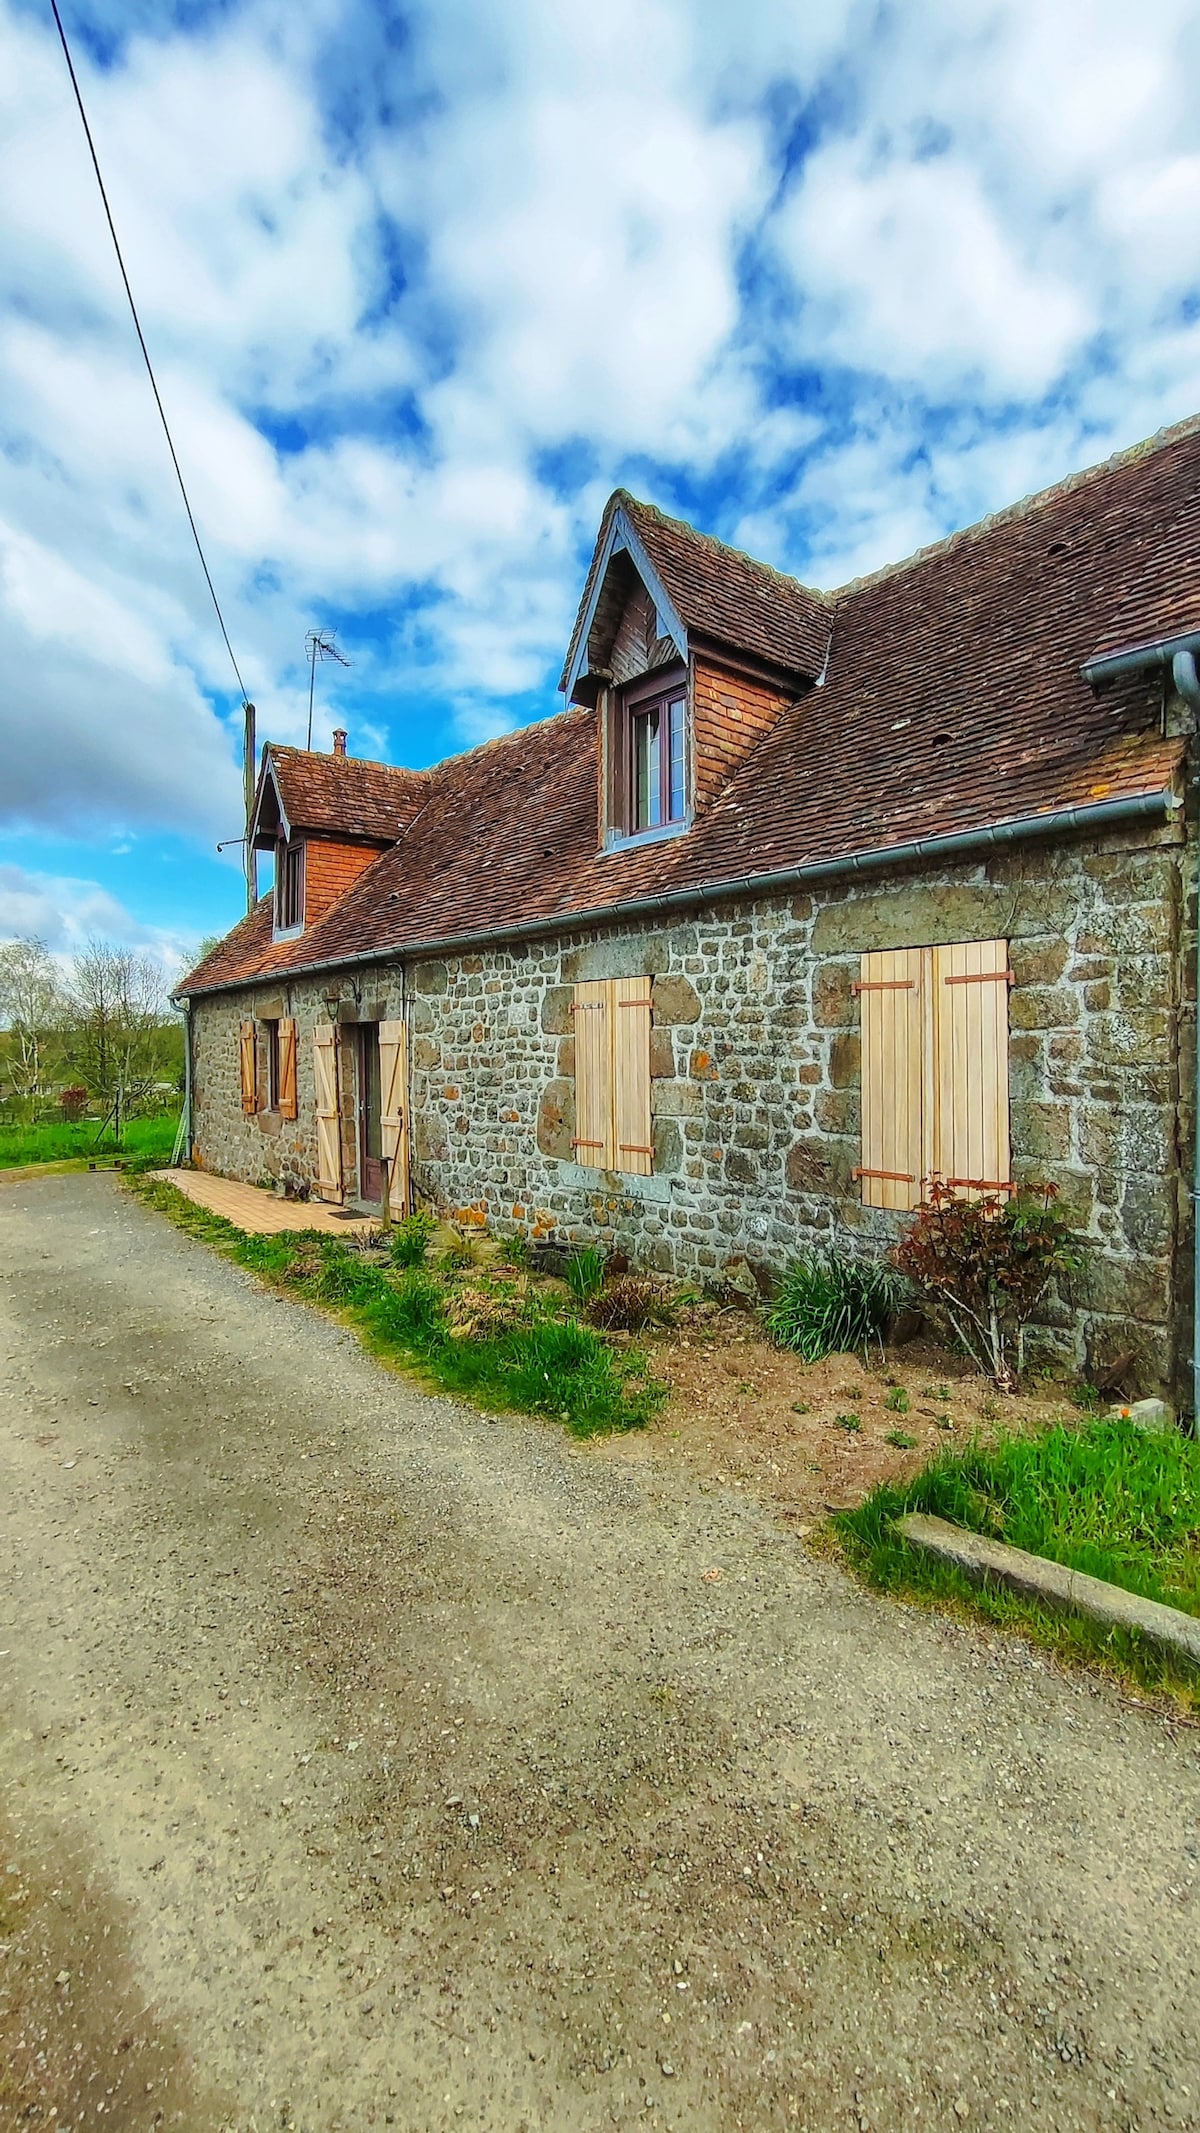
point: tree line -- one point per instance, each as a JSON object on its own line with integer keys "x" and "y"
{"x": 97, "y": 1030}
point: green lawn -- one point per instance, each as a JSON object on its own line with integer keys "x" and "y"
{"x": 1117, "y": 1502}
{"x": 491, "y": 1334}
{"x": 142, "y": 1140}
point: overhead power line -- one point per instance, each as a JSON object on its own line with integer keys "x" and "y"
{"x": 145, "y": 351}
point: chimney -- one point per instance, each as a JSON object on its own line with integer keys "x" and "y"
{"x": 339, "y": 740}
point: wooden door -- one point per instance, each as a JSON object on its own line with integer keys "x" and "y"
{"x": 393, "y": 1087}
{"x": 370, "y": 1117}
{"x": 329, "y": 1125}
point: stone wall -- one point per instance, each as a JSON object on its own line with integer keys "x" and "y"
{"x": 755, "y": 1067}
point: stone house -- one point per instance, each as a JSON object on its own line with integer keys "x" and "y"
{"x": 804, "y": 900}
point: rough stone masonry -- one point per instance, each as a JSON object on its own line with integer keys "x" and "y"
{"x": 755, "y": 1065}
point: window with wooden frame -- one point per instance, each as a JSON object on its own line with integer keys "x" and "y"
{"x": 650, "y": 756}
{"x": 934, "y": 1072}
{"x": 612, "y": 1075}
{"x": 289, "y": 886}
{"x": 271, "y": 1034}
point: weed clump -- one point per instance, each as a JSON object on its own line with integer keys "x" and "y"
{"x": 410, "y": 1238}
{"x": 628, "y": 1305}
{"x": 585, "y": 1274}
{"x": 832, "y": 1304}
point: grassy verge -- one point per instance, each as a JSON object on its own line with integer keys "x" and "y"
{"x": 490, "y": 1337}
{"x": 142, "y": 1140}
{"x": 1106, "y": 1498}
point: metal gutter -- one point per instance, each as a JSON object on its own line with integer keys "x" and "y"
{"x": 1105, "y": 814}
{"x": 1156, "y": 652}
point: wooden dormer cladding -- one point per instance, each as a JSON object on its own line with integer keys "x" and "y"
{"x": 330, "y": 868}
{"x": 731, "y": 711}
{"x": 637, "y": 646}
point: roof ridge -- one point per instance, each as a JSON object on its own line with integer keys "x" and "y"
{"x": 365, "y": 762}
{"x": 1025, "y": 506}
{"x": 710, "y": 540}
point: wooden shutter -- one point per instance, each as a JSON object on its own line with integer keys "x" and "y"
{"x": 595, "y": 1140}
{"x": 393, "y": 1097}
{"x": 892, "y": 997}
{"x": 287, "y": 1069}
{"x": 329, "y": 1125}
{"x": 970, "y": 1067}
{"x": 249, "y": 1067}
{"x": 630, "y": 1024}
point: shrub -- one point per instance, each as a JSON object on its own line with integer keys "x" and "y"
{"x": 585, "y": 1273}
{"x": 986, "y": 1264}
{"x": 627, "y": 1305}
{"x": 830, "y": 1304}
{"x": 410, "y": 1238}
{"x": 73, "y": 1103}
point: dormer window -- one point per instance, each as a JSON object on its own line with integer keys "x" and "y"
{"x": 650, "y": 756}
{"x": 289, "y": 886}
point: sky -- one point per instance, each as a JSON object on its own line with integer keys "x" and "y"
{"x": 422, "y": 284}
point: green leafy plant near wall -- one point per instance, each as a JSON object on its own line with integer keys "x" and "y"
{"x": 985, "y": 1265}
{"x": 832, "y": 1304}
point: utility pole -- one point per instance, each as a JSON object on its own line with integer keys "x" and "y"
{"x": 248, "y": 779}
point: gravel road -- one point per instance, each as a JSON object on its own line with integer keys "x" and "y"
{"x": 366, "y": 1761}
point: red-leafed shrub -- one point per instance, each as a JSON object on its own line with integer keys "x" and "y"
{"x": 987, "y": 1263}
{"x": 73, "y": 1103}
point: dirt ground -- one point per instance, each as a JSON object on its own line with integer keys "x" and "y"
{"x": 814, "y": 1438}
{"x": 365, "y": 1761}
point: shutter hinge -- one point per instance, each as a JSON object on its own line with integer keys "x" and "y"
{"x": 899, "y": 1177}
{"x": 885, "y": 985}
{"x": 983, "y": 977}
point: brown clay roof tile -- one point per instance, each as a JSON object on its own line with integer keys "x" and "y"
{"x": 953, "y": 701}
{"x": 343, "y": 795}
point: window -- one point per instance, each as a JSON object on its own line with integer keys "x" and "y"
{"x": 289, "y": 887}
{"x": 934, "y": 1071}
{"x": 650, "y": 757}
{"x": 612, "y": 1075}
{"x": 271, "y": 1030}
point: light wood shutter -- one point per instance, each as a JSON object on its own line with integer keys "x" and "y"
{"x": 393, "y": 1094}
{"x": 249, "y": 1067}
{"x": 892, "y": 998}
{"x": 287, "y": 1068}
{"x": 329, "y": 1125}
{"x": 630, "y": 1024}
{"x": 970, "y": 1026}
{"x": 595, "y": 1139}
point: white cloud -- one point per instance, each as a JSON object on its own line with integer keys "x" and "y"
{"x": 533, "y": 239}
{"x": 66, "y": 913}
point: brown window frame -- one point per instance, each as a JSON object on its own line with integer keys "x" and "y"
{"x": 271, "y": 1027}
{"x": 289, "y": 886}
{"x": 651, "y": 696}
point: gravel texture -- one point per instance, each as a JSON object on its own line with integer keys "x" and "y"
{"x": 380, "y": 1763}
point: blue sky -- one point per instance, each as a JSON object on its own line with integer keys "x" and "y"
{"x": 424, "y": 283}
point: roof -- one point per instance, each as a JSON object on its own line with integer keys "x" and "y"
{"x": 953, "y": 702}
{"x": 343, "y": 795}
{"x": 716, "y": 592}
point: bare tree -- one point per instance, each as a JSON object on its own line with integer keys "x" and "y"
{"x": 31, "y": 1009}
{"x": 119, "y": 1034}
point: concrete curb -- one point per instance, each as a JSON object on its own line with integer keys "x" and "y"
{"x": 1053, "y": 1584}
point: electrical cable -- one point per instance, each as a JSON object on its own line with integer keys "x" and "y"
{"x": 145, "y": 351}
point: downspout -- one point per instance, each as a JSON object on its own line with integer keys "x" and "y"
{"x": 1187, "y": 684}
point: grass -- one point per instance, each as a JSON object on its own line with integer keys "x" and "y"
{"x": 142, "y": 1140}
{"x": 831, "y": 1304}
{"x": 1116, "y": 1502}
{"x": 529, "y": 1355}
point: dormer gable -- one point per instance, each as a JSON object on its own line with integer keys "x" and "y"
{"x": 326, "y": 819}
{"x": 689, "y": 651}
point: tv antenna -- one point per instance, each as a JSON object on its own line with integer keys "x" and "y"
{"x": 319, "y": 644}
